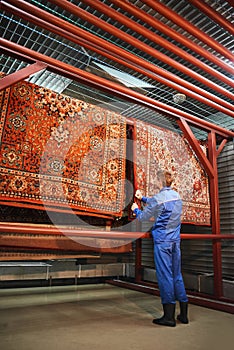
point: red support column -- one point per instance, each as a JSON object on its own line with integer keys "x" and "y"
{"x": 215, "y": 215}
{"x": 210, "y": 166}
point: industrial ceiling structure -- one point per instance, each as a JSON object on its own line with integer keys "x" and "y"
{"x": 168, "y": 63}
{"x": 150, "y": 60}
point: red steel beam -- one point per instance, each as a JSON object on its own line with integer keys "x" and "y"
{"x": 214, "y": 15}
{"x": 35, "y": 229}
{"x": 71, "y": 32}
{"x": 137, "y": 43}
{"x": 205, "y": 236}
{"x": 106, "y": 85}
{"x": 189, "y": 27}
{"x": 92, "y": 38}
{"x": 110, "y": 12}
{"x": 157, "y": 24}
{"x": 194, "y": 298}
{"x": 221, "y": 146}
{"x": 58, "y": 29}
{"x": 21, "y": 74}
{"x": 215, "y": 216}
{"x": 196, "y": 147}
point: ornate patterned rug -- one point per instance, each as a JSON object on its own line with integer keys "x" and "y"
{"x": 158, "y": 148}
{"x": 60, "y": 152}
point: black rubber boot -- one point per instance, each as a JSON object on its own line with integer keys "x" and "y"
{"x": 168, "y": 318}
{"x": 182, "y": 317}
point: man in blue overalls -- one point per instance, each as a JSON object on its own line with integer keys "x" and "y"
{"x": 166, "y": 208}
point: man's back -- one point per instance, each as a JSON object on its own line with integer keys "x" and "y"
{"x": 167, "y": 219}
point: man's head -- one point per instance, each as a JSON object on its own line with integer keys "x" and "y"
{"x": 165, "y": 178}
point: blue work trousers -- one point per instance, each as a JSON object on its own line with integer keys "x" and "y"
{"x": 167, "y": 258}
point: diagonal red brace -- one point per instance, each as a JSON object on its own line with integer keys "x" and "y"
{"x": 21, "y": 74}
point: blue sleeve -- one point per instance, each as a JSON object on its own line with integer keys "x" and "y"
{"x": 144, "y": 199}
{"x": 150, "y": 210}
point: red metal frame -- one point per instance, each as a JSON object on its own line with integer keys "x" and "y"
{"x": 110, "y": 12}
{"x": 106, "y": 85}
{"x": 214, "y": 15}
{"x": 215, "y": 215}
{"x": 129, "y": 60}
{"x": 221, "y": 146}
{"x": 21, "y": 74}
{"x": 189, "y": 27}
{"x": 196, "y": 147}
{"x": 204, "y": 300}
{"x": 209, "y": 163}
{"x": 35, "y": 229}
{"x": 137, "y": 43}
{"x": 155, "y": 23}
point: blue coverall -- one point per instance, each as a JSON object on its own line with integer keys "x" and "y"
{"x": 166, "y": 208}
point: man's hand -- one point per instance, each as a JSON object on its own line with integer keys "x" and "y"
{"x": 138, "y": 195}
{"x": 134, "y": 206}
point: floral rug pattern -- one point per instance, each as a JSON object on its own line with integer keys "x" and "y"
{"x": 61, "y": 152}
{"x": 158, "y": 148}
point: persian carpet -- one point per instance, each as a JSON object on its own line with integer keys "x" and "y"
{"x": 60, "y": 152}
{"x": 158, "y": 148}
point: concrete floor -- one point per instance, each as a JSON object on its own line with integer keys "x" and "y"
{"x": 105, "y": 317}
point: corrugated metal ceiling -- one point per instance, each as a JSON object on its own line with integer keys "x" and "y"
{"x": 23, "y": 32}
